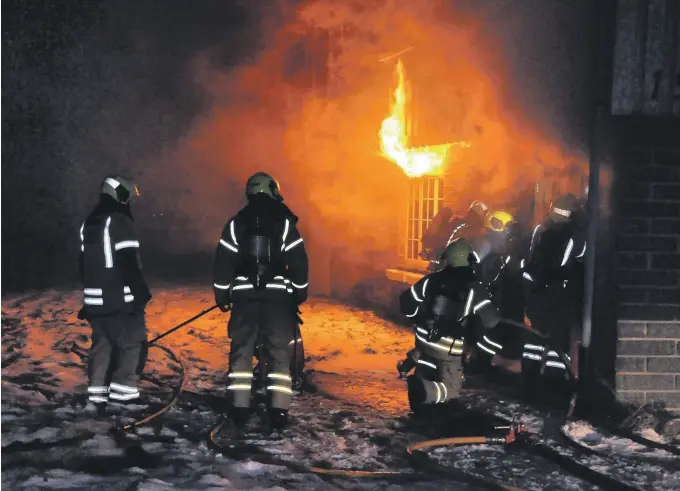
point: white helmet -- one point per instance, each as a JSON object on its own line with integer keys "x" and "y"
{"x": 122, "y": 189}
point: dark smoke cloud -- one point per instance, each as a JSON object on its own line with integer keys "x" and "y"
{"x": 191, "y": 98}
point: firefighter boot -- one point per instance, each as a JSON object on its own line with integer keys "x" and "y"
{"x": 278, "y": 418}
{"x": 239, "y": 416}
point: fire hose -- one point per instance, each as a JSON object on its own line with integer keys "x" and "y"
{"x": 413, "y": 453}
{"x": 517, "y": 432}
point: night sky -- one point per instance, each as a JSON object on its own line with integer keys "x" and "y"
{"x": 93, "y": 87}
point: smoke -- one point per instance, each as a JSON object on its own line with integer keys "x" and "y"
{"x": 308, "y": 109}
{"x": 193, "y": 102}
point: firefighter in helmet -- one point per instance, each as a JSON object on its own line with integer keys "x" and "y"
{"x": 497, "y": 265}
{"x": 261, "y": 269}
{"x": 115, "y": 295}
{"x": 466, "y": 227}
{"x": 446, "y": 307}
{"x": 471, "y": 223}
{"x": 552, "y": 295}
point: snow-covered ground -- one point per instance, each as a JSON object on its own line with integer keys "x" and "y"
{"x": 357, "y": 419}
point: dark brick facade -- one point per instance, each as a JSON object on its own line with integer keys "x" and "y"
{"x": 647, "y": 270}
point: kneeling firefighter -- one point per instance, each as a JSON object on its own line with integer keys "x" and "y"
{"x": 115, "y": 295}
{"x": 464, "y": 227}
{"x": 447, "y": 307}
{"x": 261, "y": 269}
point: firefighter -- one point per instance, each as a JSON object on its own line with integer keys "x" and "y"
{"x": 552, "y": 291}
{"x": 495, "y": 270}
{"x": 460, "y": 227}
{"x": 261, "y": 269}
{"x": 446, "y": 307}
{"x": 473, "y": 220}
{"x": 115, "y": 295}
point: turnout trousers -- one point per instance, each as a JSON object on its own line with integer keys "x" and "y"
{"x": 273, "y": 322}
{"x": 297, "y": 358}
{"x": 439, "y": 371}
{"x": 117, "y": 357}
{"x": 297, "y": 354}
{"x": 551, "y": 312}
{"x": 504, "y": 340}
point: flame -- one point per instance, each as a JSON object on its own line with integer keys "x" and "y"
{"x": 418, "y": 161}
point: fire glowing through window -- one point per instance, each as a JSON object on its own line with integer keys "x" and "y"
{"x": 394, "y": 137}
{"x": 426, "y": 197}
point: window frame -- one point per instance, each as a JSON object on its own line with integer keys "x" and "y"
{"x": 422, "y": 191}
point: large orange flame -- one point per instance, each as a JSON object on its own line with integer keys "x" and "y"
{"x": 418, "y": 161}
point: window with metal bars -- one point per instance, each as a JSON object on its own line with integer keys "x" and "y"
{"x": 426, "y": 197}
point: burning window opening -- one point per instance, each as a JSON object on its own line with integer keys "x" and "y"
{"x": 394, "y": 136}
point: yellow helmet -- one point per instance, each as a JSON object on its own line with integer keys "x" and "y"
{"x": 498, "y": 220}
{"x": 457, "y": 253}
{"x": 262, "y": 182}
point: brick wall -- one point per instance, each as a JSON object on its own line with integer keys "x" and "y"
{"x": 647, "y": 215}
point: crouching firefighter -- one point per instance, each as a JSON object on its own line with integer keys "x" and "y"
{"x": 115, "y": 295}
{"x": 446, "y": 307}
{"x": 261, "y": 269}
{"x": 460, "y": 228}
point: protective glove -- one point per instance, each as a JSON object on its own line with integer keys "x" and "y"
{"x": 408, "y": 363}
{"x": 223, "y": 300}
{"x": 140, "y": 302}
{"x": 405, "y": 366}
{"x": 300, "y": 296}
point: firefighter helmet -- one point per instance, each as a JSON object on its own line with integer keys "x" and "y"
{"x": 479, "y": 208}
{"x": 457, "y": 254}
{"x": 498, "y": 221}
{"x": 122, "y": 189}
{"x": 265, "y": 184}
{"x": 563, "y": 207}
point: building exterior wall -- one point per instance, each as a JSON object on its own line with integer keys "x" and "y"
{"x": 647, "y": 227}
{"x": 645, "y": 203}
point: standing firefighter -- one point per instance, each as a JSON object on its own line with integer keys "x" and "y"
{"x": 553, "y": 290}
{"x": 115, "y": 295}
{"x": 261, "y": 268}
{"x": 446, "y": 307}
